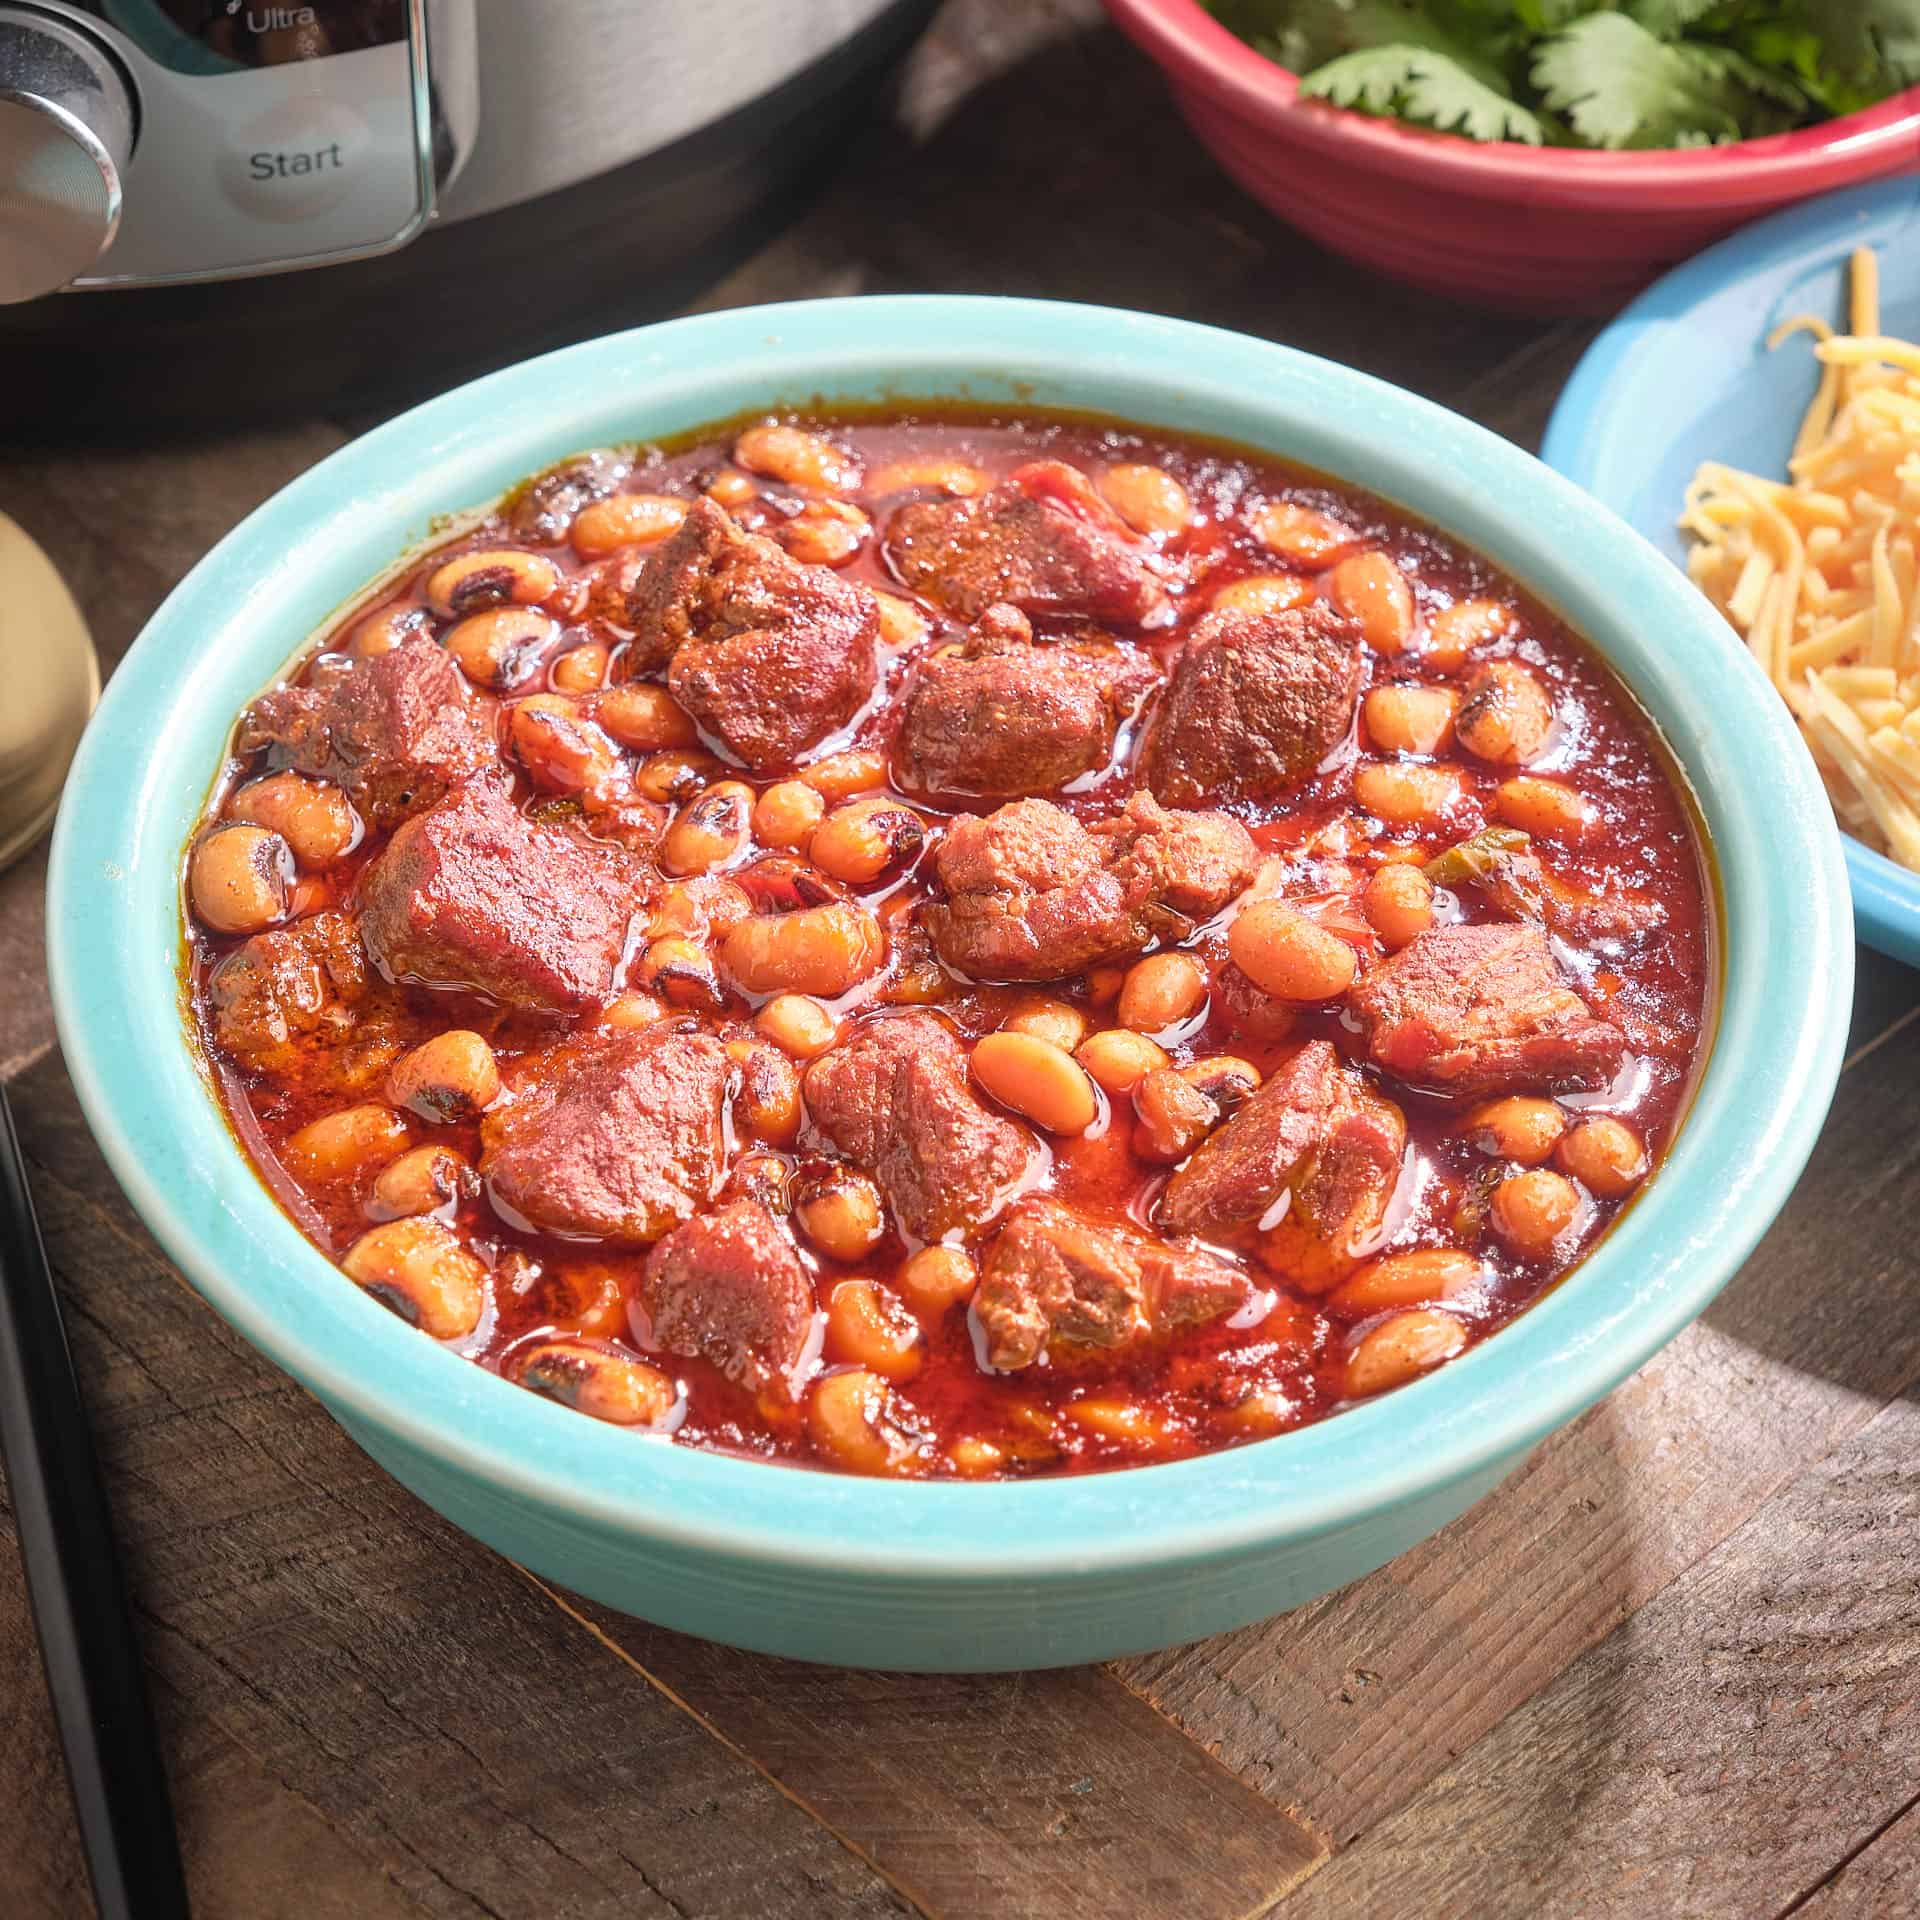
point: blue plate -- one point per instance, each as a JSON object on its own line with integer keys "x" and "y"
{"x": 1684, "y": 375}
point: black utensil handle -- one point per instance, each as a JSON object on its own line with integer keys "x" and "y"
{"x": 79, "y": 1610}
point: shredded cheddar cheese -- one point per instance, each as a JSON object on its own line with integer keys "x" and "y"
{"x": 1820, "y": 572}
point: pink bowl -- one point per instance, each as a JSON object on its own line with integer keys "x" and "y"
{"x": 1499, "y": 224}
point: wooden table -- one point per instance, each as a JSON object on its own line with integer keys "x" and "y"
{"x": 1670, "y": 1668}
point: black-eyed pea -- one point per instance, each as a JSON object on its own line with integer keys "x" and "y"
{"x": 764, "y": 1177}
{"x": 859, "y": 841}
{"x": 1519, "y": 1127}
{"x": 1532, "y": 1210}
{"x": 840, "y": 1212}
{"x": 1300, "y": 534}
{"x": 1262, "y": 593}
{"x": 422, "y": 1180}
{"x": 702, "y": 904}
{"x": 1403, "y": 1348}
{"x": 1373, "y": 593}
{"x": 674, "y": 775}
{"x": 798, "y": 1024}
{"x": 1161, "y": 991}
{"x": 938, "y": 1279}
{"x": 729, "y": 488}
{"x": 1290, "y": 956}
{"x": 929, "y": 475}
{"x": 681, "y": 972}
{"x": 819, "y": 950}
{"x": 867, "y": 1327}
{"x": 851, "y": 1423}
{"x": 1225, "y": 1079}
{"x": 1104, "y": 984}
{"x": 1605, "y": 1155}
{"x": 625, "y": 520}
{"x": 1398, "y": 903}
{"x": 1037, "y": 1079}
{"x": 1396, "y": 1281}
{"x": 561, "y": 749}
{"x": 796, "y": 458}
{"x": 768, "y": 1102}
{"x": 240, "y": 878}
{"x": 975, "y": 1458}
{"x": 1409, "y": 719}
{"x": 841, "y": 775}
{"x": 1406, "y": 796}
{"x": 1149, "y": 499}
{"x": 1455, "y": 631}
{"x": 581, "y": 669}
{"x": 1112, "y": 1418}
{"x": 313, "y": 817}
{"x": 419, "y": 1270}
{"x": 902, "y": 624}
{"x": 825, "y": 533}
{"x": 344, "y": 1144}
{"x": 1058, "y": 1022}
{"x": 642, "y": 717}
{"x": 491, "y": 577}
{"x": 448, "y": 1079}
{"x": 613, "y": 1387}
{"x": 1119, "y": 1059}
{"x": 1505, "y": 714}
{"x": 633, "y": 1009}
{"x": 713, "y": 830}
{"x": 786, "y": 814}
{"x": 500, "y": 647}
{"x": 1171, "y": 1117}
{"x": 391, "y": 627}
{"x": 1549, "y": 808}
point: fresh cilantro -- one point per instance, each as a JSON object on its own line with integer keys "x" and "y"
{"x": 1597, "y": 73}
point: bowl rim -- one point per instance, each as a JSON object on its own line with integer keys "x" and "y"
{"x": 1199, "y": 52}
{"x": 1886, "y": 896}
{"x": 145, "y": 765}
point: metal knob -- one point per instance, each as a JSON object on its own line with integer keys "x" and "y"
{"x": 66, "y": 131}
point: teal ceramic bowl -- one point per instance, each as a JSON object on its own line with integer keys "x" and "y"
{"x": 879, "y": 1573}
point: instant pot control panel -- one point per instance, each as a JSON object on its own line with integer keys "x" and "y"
{"x": 156, "y": 141}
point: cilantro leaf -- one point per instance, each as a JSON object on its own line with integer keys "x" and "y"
{"x": 1427, "y": 88}
{"x": 1869, "y": 43}
{"x": 1620, "y": 87}
{"x": 1669, "y": 19}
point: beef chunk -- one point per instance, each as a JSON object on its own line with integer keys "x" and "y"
{"x": 1313, "y": 1158}
{"x": 1055, "y": 1278}
{"x": 1033, "y": 895}
{"x": 399, "y": 731}
{"x": 615, "y": 1135}
{"x": 767, "y": 654}
{"x": 1000, "y": 716}
{"x": 475, "y": 895}
{"x": 1483, "y": 1010}
{"x": 287, "y": 994}
{"x": 1042, "y": 540}
{"x": 729, "y": 1288}
{"x": 895, "y": 1099}
{"x": 1256, "y": 702}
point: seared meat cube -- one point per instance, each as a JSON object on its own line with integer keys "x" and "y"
{"x": 1033, "y": 895}
{"x": 895, "y": 1099}
{"x": 398, "y": 731}
{"x": 1055, "y": 1278}
{"x": 1313, "y": 1157}
{"x": 1256, "y": 702}
{"x": 767, "y": 654}
{"x": 1042, "y": 540}
{"x": 473, "y": 894}
{"x": 1483, "y": 1009}
{"x": 288, "y": 993}
{"x": 615, "y": 1135}
{"x": 1000, "y": 716}
{"x": 729, "y": 1288}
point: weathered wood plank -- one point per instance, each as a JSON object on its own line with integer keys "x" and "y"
{"x": 1017, "y": 1795}
{"x": 1345, "y": 1709}
{"x": 461, "y": 1734}
{"x": 1748, "y": 1725}
{"x": 1880, "y": 1882}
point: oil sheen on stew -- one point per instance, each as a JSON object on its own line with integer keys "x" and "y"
{"x": 950, "y": 945}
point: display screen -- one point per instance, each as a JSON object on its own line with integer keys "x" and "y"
{"x": 229, "y": 36}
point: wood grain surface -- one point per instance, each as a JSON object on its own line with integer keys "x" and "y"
{"x": 1667, "y": 1668}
